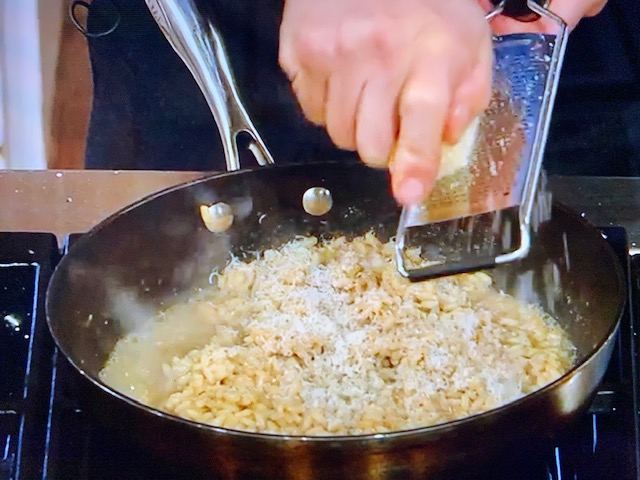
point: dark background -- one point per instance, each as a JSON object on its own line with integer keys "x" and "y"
{"x": 596, "y": 124}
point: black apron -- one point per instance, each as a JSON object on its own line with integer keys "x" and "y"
{"x": 148, "y": 112}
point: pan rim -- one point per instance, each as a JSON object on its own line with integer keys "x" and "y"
{"x": 406, "y": 434}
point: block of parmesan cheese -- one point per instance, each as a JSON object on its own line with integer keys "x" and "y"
{"x": 455, "y": 157}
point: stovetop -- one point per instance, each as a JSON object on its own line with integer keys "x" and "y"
{"x": 46, "y": 434}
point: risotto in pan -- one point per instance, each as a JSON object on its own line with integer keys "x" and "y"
{"x": 326, "y": 338}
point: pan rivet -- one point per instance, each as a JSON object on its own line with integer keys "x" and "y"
{"x": 217, "y": 217}
{"x": 317, "y": 201}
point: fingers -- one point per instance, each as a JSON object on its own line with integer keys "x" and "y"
{"x": 383, "y": 78}
{"x": 471, "y": 97}
{"x": 377, "y": 120}
{"x": 423, "y": 106}
{"x": 343, "y": 95}
{"x": 311, "y": 92}
{"x": 306, "y": 59}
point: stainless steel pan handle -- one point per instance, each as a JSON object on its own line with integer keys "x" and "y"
{"x": 200, "y": 47}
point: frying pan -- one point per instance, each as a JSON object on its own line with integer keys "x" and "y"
{"x": 158, "y": 250}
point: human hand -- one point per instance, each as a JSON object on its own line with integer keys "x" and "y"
{"x": 391, "y": 80}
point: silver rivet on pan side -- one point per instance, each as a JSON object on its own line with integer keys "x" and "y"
{"x": 217, "y": 217}
{"x": 317, "y": 201}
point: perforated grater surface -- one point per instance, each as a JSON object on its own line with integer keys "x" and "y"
{"x": 484, "y": 213}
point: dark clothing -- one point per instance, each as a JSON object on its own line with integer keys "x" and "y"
{"x": 148, "y": 112}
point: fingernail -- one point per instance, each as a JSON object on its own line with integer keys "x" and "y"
{"x": 377, "y": 162}
{"x": 411, "y": 192}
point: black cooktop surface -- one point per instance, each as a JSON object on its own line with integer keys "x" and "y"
{"x": 46, "y": 434}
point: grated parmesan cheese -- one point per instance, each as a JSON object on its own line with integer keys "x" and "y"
{"x": 326, "y": 338}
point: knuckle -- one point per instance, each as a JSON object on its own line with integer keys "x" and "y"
{"x": 413, "y": 152}
{"x": 348, "y": 39}
{"x": 313, "y": 46}
{"x": 371, "y": 35}
{"x": 440, "y": 40}
{"x": 419, "y": 97}
{"x": 418, "y": 152}
{"x": 383, "y": 38}
{"x": 418, "y": 167}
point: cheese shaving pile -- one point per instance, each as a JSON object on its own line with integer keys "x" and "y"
{"x": 325, "y": 338}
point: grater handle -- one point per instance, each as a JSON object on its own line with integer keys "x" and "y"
{"x": 518, "y": 9}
